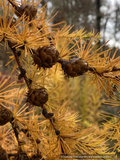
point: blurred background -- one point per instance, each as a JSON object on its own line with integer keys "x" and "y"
{"x": 101, "y": 15}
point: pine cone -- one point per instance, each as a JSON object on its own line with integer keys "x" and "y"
{"x": 74, "y": 67}
{"x": 3, "y": 155}
{"x": 46, "y": 56}
{"x": 37, "y": 97}
{"x": 29, "y": 10}
{"x": 5, "y": 115}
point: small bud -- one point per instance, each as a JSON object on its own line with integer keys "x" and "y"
{"x": 18, "y": 53}
{"x": 28, "y": 134}
{"x": 24, "y": 130}
{"x": 57, "y": 132}
{"x": 46, "y": 114}
{"x": 30, "y": 81}
{"x": 38, "y": 141}
{"x": 22, "y": 74}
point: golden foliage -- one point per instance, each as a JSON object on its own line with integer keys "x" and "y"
{"x": 47, "y": 130}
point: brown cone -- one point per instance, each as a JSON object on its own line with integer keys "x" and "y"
{"x": 37, "y": 97}
{"x": 74, "y": 67}
{"x": 46, "y": 56}
{"x": 5, "y": 115}
{"x": 29, "y": 11}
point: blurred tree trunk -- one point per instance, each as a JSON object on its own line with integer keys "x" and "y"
{"x": 81, "y": 13}
{"x": 98, "y": 18}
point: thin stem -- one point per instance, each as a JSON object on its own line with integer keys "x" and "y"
{"x": 56, "y": 131}
{"x": 15, "y": 128}
{"x": 114, "y": 69}
{"x": 19, "y": 64}
{"x": 50, "y": 117}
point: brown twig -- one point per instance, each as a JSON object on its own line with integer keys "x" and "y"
{"x": 50, "y": 117}
{"x": 19, "y": 64}
{"x": 15, "y": 128}
{"x": 93, "y": 69}
{"x": 56, "y": 131}
{"x": 114, "y": 69}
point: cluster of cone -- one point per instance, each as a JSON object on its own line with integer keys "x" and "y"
{"x": 44, "y": 57}
{"x": 48, "y": 56}
{"x": 74, "y": 67}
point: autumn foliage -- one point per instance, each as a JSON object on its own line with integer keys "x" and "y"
{"x": 39, "y": 116}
